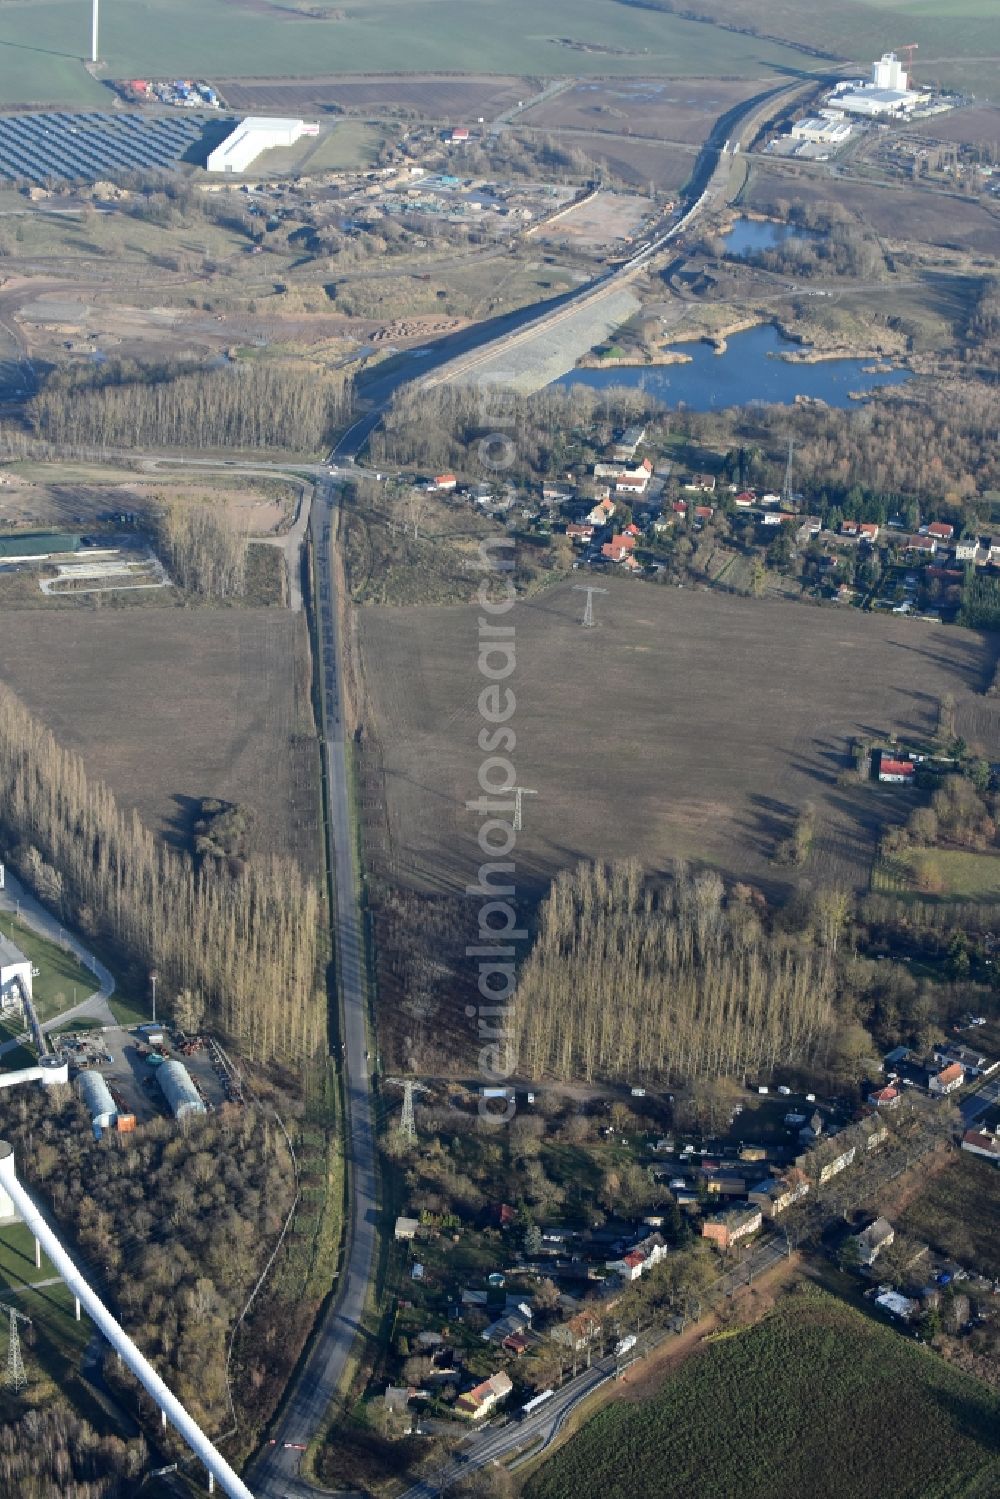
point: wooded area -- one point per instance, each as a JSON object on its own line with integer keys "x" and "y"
{"x": 52, "y": 1451}
{"x": 205, "y": 553}
{"x": 244, "y": 944}
{"x": 243, "y": 405}
{"x": 627, "y": 981}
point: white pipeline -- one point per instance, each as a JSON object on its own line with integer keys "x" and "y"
{"x": 229, "y": 1481}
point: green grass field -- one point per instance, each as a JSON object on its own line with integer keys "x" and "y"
{"x": 43, "y": 42}
{"x": 61, "y": 982}
{"x": 819, "y": 1399}
{"x": 939, "y": 874}
{"x": 17, "y": 1259}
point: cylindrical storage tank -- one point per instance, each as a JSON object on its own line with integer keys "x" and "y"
{"x": 178, "y": 1089}
{"x": 96, "y": 1095}
{"x": 54, "y": 1070}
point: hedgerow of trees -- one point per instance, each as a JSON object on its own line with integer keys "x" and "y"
{"x": 122, "y": 404}
{"x": 244, "y": 944}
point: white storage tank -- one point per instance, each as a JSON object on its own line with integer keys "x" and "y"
{"x": 178, "y": 1089}
{"x": 96, "y": 1095}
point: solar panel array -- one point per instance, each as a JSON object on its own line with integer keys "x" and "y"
{"x": 46, "y": 149}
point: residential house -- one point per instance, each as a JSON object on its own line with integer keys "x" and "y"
{"x": 992, "y": 546}
{"x": 770, "y": 498}
{"x": 977, "y": 1142}
{"x": 967, "y": 550}
{"x": 579, "y": 532}
{"x": 703, "y": 483}
{"x": 973, "y": 1063}
{"x": 897, "y": 1055}
{"x": 505, "y": 1327}
{"x": 729, "y": 1227}
{"x": 702, "y": 513}
{"x": 723, "y": 1183}
{"x": 601, "y": 513}
{"x": 778, "y": 1193}
{"x": 627, "y": 442}
{"x": 631, "y": 484}
{"x": 940, "y": 530}
{"x": 811, "y": 526}
{"x": 577, "y": 1331}
{"x": 478, "y": 1402}
{"x": 885, "y": 1098}
{"x": 517, "y": 1343}
{"x": 443, "y": 483}
{"x": 876, "y": 1237}
{"x": 926, "y": 544}
{"x": 896, "y": 772}
{"x": 771, "y": 518}
{"x": 745, "y": 500}
{"x": 864, "y": 530}
{"x": 618, "y": 548}
{"x": 406, "y": 1228}
{"x": 899, "y": 1306}
{"x": 812, "y": 1129}
{"x": 647, "y": 1253}
{"x": 947, "y": 1080}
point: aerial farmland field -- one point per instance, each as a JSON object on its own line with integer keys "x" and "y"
{"x": 686, "y": 725}
{"x": 799, "y": 1404}
{"x": 258, "y": 40}
{"x": 169, "y": 706}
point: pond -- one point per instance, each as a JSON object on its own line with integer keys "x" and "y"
{"x": 750, "y": 236}
{"x": 747, "y": 373}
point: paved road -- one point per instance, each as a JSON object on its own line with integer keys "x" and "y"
{"x": 274, "y": 1474}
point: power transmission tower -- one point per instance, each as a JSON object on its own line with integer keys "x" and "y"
{"x": 407, "y": 1126}
{"x": 16, "y": 1377}
{"x": 786, "y": 493}
{"x": 588, "y": 613}
{"x": 520, "y": 791}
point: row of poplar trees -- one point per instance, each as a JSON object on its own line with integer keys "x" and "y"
{"x": 674, "y": 982}
{"x": 244, "y": 944}
{"x": 251, "y": 405}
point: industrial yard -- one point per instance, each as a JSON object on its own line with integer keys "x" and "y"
{"x": 118, "y": 1071}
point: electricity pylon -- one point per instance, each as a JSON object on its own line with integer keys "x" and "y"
{"x": 16, "y": 1377}
{"x": 588, "y": 613}
{"x": 407, "y": 1126}
{"x": 520, "y": 791}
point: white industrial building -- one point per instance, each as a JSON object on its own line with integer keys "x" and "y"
{"x": 15, "y": 975}
{"x": 179, "y": 1090}
{"x": 251, "y": 137}
{"x": 827, "y": 130}
{"x": 887, "y": 93}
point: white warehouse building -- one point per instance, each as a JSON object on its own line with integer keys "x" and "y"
{"x": 251, "y": 137}
{"x": 15, "y": 975}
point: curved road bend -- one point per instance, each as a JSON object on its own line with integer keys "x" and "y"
{"x": 274, "y": 1473}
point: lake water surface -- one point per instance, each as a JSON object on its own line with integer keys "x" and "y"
{"x": 749, "y": 236}
{"x": 748, "y": 372}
